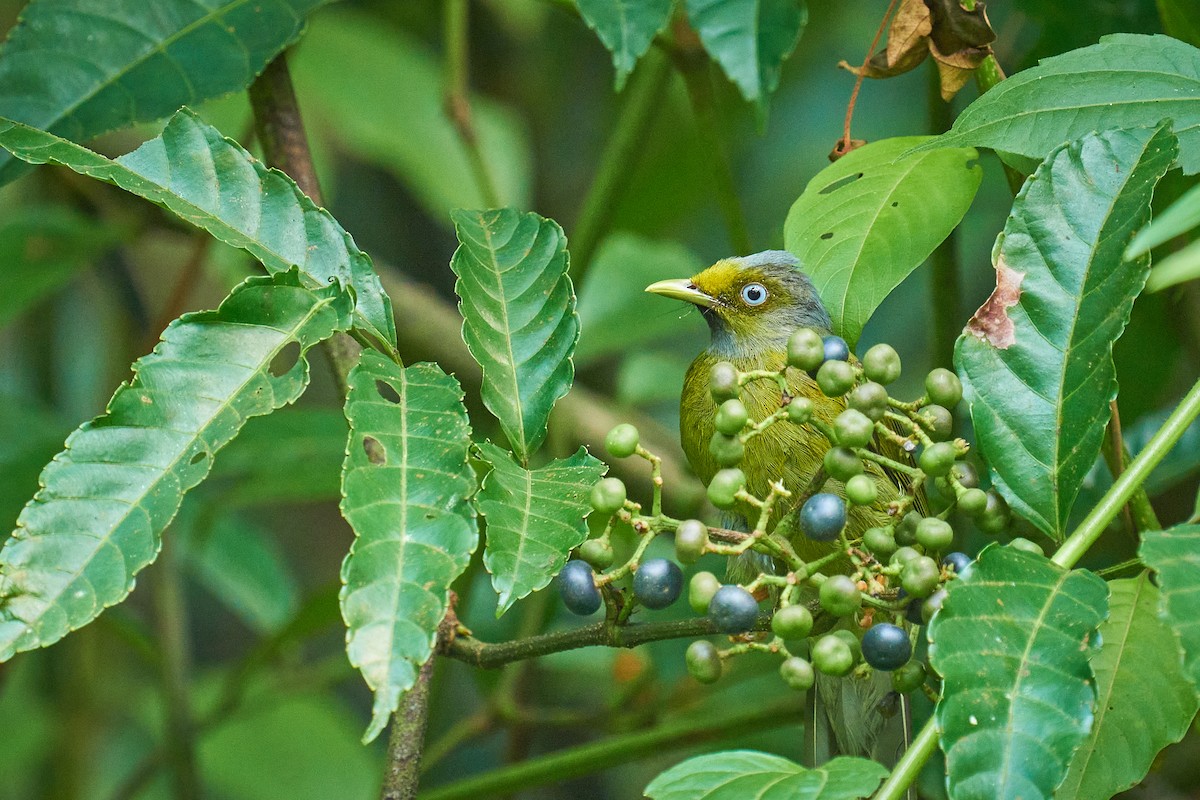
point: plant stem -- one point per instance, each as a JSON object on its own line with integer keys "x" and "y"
{"x": 987, "y": 75}
{"x": 406, "y": 738}
{"x": 909, "y": 766}
{"x": 1139, "y": 513}
{"x": 947, "y": 315}
{"x": 170, "y": 618}
{"x": 643, "y": 99}
{"x": 845, "y": 144}
{"x": 458, "y": 98}
{"x": 613, "y": 751}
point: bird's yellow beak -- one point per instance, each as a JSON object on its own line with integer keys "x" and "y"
{"x": 682, "y": 289}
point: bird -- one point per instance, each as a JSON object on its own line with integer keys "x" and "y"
{"x": 752, "y": 304}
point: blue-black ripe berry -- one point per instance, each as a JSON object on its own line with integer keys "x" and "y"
{"x": 577, "y": 587}
{"x": 823, "y": 516}
{"x": 733, "y": 609}
{"x": 886, "y": 647}
{"x": 958, "y": 561}
{"x": 657, "y": 583}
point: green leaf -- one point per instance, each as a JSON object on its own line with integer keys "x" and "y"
{"x": 214, "y": 184}
{"x": 1182, "y": 265}
{"x": 519, "y": 319}
{"x": 1125, "y": 81}
{"x": 749, "y": 39}
{"x": 616, "y": 314}
{"x": 1174, "y": 555}
{"x": 405, "y": 486}
{"x": 1144, "y": 702}
{"x": 627, "y": 27}
{"x": 1036, "y": 359}
{"x": 342, "y": 102}
{"x": 1012, "y": 643}
{"x": 741, "y": 774}
{"x": 534, "y": 518}
{"x": 107, "y": 497}
{"x": 1179, "y": 20}
{"x": 870, "y": 218}
{"x": 1178, "y": 219}
{"x": 79, "y": 69}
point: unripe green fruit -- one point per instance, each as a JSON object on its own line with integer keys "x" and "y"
{"x": 861, "y": 490}
{"x": 965, "y": 474}
{"x": 973, "y": 502}
{"x": 797, "y": 674}
{"x": 932, "y": 605}
{"x": 723, "y": 488}
{"x": 853, "y": 429}
{"x": 622, "y": 441}
{"x": 792, "y": 622}
{"x": 1021, "y": 543}
{"x": 731, "y": 417}
{"x": 597, "y": 552}
{"x": 851, "y": 641}
{"x": 880, "y": 542}
{"x": 805, "y": 349}
{"x": 723, "y": 381}
{"x": 937, "y": 459}
{"x": 996, "y": 515}
{"x": 703, "y": 661}
{"x": 691, "y": 539}
{"x": 870, "y": 399}
{"x": 920, "y": 576}
{"x": 701, "y": 589}
{"x": 800, "y": 410}
{"x": 832, "y": 656}
{"x": 839, "y": 596}
{"x": 934, "y": 534}
{"x": 727, "y": 450}
{"x": 881, "y": 364}
{"x": 943, "y": 387}
{"x": 903, "y": 555}
{"x": 842, "y": 464}
{"x": 909, "y": 677}
{"x": 906, "y": 529}
{"x": 608, "y": 496}
{"x": 939, "y": 422}
{"x": 835, "y": 378}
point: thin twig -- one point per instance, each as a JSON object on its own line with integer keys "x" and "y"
{"x": 170, "y": 617}
{"x": 862, "y": 73}
{"x": 456, "y": 28}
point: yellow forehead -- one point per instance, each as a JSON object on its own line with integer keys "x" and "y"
{"x": 724, "y": 276}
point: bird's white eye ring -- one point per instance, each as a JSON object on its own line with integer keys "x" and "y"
{"x": 754, "y": 294}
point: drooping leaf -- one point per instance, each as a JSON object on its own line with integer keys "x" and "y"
{"x": 1178, "y": 219}
{"x": 739, "y": 774}
{"x": 1125, "y": 81}
{"x": 214, "y": 184}
{"x": 342, "y": 103}
{"x": 870, "y": 218}
{"x": 79, "y": 68}
{"x": 749, "y": 39}
{"x": 1182, "y": 265}
{"x": 534, "y": 518}
{"x": 519, "y": 319}
{"x": 627, "y": 27}
{"x": 405, "y": 486}
{"x": 1174, "y": 555}
{"x": 1012, "y": 643}
{"x": 1144, "y": 702}
{"x": 107, "y": 497}
{"x": 1037, "y": 356}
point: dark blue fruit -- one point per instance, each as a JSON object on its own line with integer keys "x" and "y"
{"x": 886, "y": 647}
{"x": 657, "y": 583}
{"x": 836, "y": 348}
{"x": 823, "y": 517}
{"x": 577, "y": 586}
{"x": 957, "y": 560}
{"x": 733, "y": 610}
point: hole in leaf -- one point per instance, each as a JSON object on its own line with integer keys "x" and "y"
{"x": 827, "y": 235}
{"x": 196, "y": 459}
{"x": 285, "y": 359}
{"x": 374, "y": 450}
{"x": 387, "y": 392}
{"x": 839, "y": 183}
{"x": 895, "y": 204}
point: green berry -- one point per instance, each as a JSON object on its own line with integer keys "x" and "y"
{"x": 691, "y": 539}
{"x": 727, "y": 450}
{"x": 835, "y": 378}
{"x": 920, "y": 576}
{"x": 937, "y": 459}
{"x": 597, "y": 552}
{"x": 934, "y": 534}
{"x": 608, "y": 496}
{"x": 622, "y": 441}
{"x": 797, "y": 674}
{"x": 996, "y": 515}
{"x": 880, "y": 542}
{"x": 932, "y": 605}
{"x": 723, "y": 488}
{"x": 861, "y": 490}
{"x": 792, "y": 622}
{"x": 731, "y": 417}
{"x": 703, "y": 661}
{"x": 723, "y": 381}
{"x": 973, "y": 502}
{"x": 800, "y": 410}
{"x": 903, "y": 555}
{"x": 839, "y": 596}
{"x": 701, "y": 589}
{"x": 832, "y": 656}
{"x": 853, "y": 428}
{"x": 965, "y": 474}
{"x": 869, "y": 398}
{"x": 939, "y": 423}
{"x": 805, "y": 350}
{"x": 909, "y": 677}
{"x": 1021, "y": 543}
{"x": 842, "y": 463}
{"x": 881, "y": 364}
{"x": 851, "y": 641}
{"x": 943, "y": 387}
{"x": 906, "y": 530}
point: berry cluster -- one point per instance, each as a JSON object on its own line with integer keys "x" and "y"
{"x": 888, "y": 577}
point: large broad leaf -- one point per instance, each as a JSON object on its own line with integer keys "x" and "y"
{"x": 405, "y": 486}
{"x": 341, "y": 94}
{"x": 749, "y": 39}
{"x": 1012, "y": 643}
{"x": 534, "y": 518}
{"x": 519, "y": 317}
{"x": 869, "y": 219}
{"x": 1175, "y": 555}
{"x": 107, "y": 497}
{"x": 740, "y": 774}
{"x": 627, "y": 27}
{"x": 1126, "y": 80}
{"x": 1144, "y": 702}
{"x": 1036, "y": 359}
{"x": 80, "y": 68}
{"x": 214, "y": 184}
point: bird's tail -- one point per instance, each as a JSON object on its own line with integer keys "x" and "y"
{"x": 856, "y": 716}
